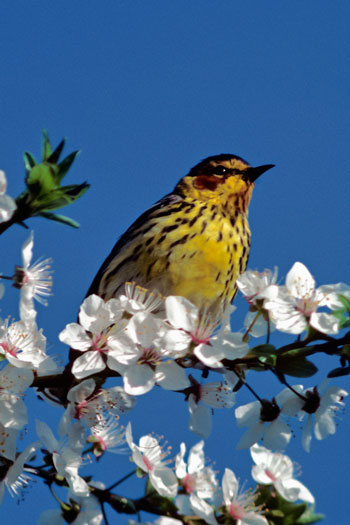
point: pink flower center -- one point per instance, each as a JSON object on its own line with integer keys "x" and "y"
{"x": 306, "y": 306}
{"x": 9, "y": 349}
{"x": 270, "y": 475}
{"x": 189, "y": 483}
{"x": 81, "y": 409}
{"x": 236, "y": 510}
{"x": 99, "y": 343}
{"x": 149, "y": 357}
{"x": 147, "y": 463}
{"x": 102, "y": 443}
{"x": 197, "y": 341}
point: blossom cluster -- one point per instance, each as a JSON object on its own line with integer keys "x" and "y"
{"x": 293, "y": 307}
{"x": 192, "y": 484}
{"x": 152, "y": 341}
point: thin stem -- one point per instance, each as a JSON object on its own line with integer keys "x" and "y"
{"x": 59, "y": 501}
{"x": 121, "y": 480}
{"x": 268, "y": 329}
{"x": 248, "y": 386}
{"x": 283, "y": 380}
{"x": 104, "y": 513}
{"x": 251, "y": 325}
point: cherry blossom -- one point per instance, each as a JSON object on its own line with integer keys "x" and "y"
{"x": 253, "y": 284}
{"x": 24, "y": 347}
{"x": 150, "y": 458}
{"x": 15, "y": 479}
{"x": 13, "y": 383}
{"x": 294, "y": 306}
{"x": 265, "y": 420}
{"x": 319, "y": 407}
{"x": 191, "y": 330}
{"x": 208, "y": 396}
{"x": 97, "y": 329}
{"x": 34, "y": 281}
{"x": 66, "y": 460}
{"x": 107, "y": 435}
{"x": 7, "y": 203}
{"x": 277, "y": 469}
{"x": 240, "y": 506}
{"x": 142, "y": 359}
{"x": 197, "y": 480}
{"x": 138, "y": 299}
{"x": 195, "y": 477}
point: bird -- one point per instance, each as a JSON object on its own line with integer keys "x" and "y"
{"x": 194, "y": 242}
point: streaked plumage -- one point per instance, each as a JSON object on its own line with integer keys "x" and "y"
{"x": 194, "y": 242}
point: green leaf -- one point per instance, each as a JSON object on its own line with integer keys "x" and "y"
{"x": 65, "y": 165}
{"x": 345, "y": 301}
{"x": 59, "y": 218}
{"x": 346, "y": 349}
{"x": 55, "y": 155}
{"x": 344, "y": 323}
{"x": 43, "y": 193}
{"x": 339, "y": 372}
{"x": 313, "y": 518}
{"x": 296, "y": 366}
{"x": 276, "y": 513}
{"x": 29, "y": 161}
{"x": 309, "y": 517}
{"x": 59, "y": 197}
{"x": 268, "y": 360}
{"x": 42, "y": 179}
{"x": 122, "y": 505}
{"x": 263, "y": 349}
{"x": 46, "y": 149}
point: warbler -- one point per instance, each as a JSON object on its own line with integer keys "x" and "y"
{"x": 194, "y": 242}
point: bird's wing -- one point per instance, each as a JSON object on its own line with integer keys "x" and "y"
{"x": 144, "y": 223}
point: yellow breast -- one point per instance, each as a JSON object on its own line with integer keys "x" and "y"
{"x": 200, "y": 258}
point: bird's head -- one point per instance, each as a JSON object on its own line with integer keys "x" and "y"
{"x": 223, "y": 177}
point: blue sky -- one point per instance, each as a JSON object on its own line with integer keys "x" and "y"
{"x": 146, "y": 89}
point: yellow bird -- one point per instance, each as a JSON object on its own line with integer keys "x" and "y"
{"x": 194, "y": 242}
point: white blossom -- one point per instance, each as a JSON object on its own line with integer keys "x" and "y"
{"x": 15, "y": 478}
{"x": 265, "y": 420}
{"x": 7, "y": 203}
{"x": 192, "y": 329}
{"x": 240, "y": 506}
{"x": 138, "y": 299}
{"x": 142, "y": 359}
{"x": 107, "y": 435}
{"x": 34, "y": 281}
{"x": 13, "y": 383}
{"x": 24, "y": 347}
{"x": 319, "y": 408}
{"x": 294, "y": 306}
{"x": 277, "y": 469}
{"x": 253, "y": 284}
{"x": 197, "y": 480}
{"x": 195, "y": 477}
{"x": 66, "y": 460}
{"x": 200, "y": 405}
{"x": 97, "y": 329}
{"x": 8, "y": 437}
{"x": 149, "y": 457}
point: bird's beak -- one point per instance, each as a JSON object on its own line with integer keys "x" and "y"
{"x": 254, "y": 173}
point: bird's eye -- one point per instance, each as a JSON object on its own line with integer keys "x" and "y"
{"x": 221, "y": 170}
